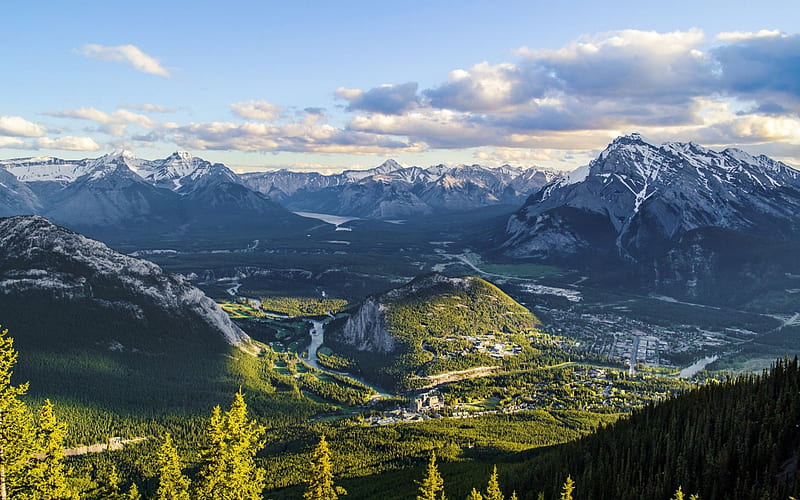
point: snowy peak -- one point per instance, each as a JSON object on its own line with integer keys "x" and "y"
{"x": 388, "y": 166}
{"x": 649, "y": 195}
{"x": 180, "y": 171}
{"x": 391, "y": 190}
{"x": 46, "y": 169}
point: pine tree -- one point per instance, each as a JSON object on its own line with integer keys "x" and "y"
{"x": 133, "y": 493}
{"x": 228, "y": 470}
{"x": 568, "y": 488}
{"x": 474, "y": 495}
{"x": 678, "y": 494}
{"x": 172, "y": 484}
{"x": 111, "y": 479}
{"x": 432, "y": 483}
{"x": 46, "y": 478}
{"x": 514, "y": 495}
{"x": 17, "y": 436}
{"x": 493, "y": 488}
{"x": 320, "y": 484}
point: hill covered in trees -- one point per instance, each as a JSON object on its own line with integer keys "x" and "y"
{"x": 437, "y": 324}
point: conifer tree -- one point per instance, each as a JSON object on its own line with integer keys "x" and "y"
{"x": 320, "y": 484}
{"x": 133, "y": 493}
{"x": 679, "y": 495}
{"x": 228, "y": 470}
{"x": 493, "y": 488}
{"x": 46, "y": 477}
{"x": 17, "y": 437}
{"x": 172, "y": 484}
{"x": 474, "y": 495}
{"x": 514, "y": 495}
{"x": 432, "y": 483}
{"x": 567, "y": 489}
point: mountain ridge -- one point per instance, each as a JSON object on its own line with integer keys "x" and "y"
{"x": 648, "y": 196}
{"x": 391, "y": 190}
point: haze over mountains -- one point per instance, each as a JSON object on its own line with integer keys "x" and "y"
{"x": 636, "y": 202}
{"x": 391, "y": 190}
{"x": 183, "y": 191}
{"x": 120, "y": 193}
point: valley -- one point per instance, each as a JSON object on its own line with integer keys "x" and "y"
{"x": 392, "y": 335}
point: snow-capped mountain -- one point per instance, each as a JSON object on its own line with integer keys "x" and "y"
{"x": 55, "y": 265}
{"x": 121, "y": 193}
{"x": 637, "y": 200}
{"x": 391, "y": 190}
{"x": 16, "y": 197}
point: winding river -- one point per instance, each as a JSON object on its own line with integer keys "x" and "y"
{"x": 317, "y": 337}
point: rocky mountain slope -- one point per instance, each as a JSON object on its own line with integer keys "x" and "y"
{"x": 390, "y": 190}
{"x": 16, "y": 197}
{"x": 637, "y": 200}
{"x": 44, "y": 264}
{"x": 120, "y": 194}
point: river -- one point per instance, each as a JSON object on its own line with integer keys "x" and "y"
{"x": 317, "y": 337}
{"x": 691, "y": 370}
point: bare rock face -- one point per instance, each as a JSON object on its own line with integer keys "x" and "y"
{"x": 366, "y": 330}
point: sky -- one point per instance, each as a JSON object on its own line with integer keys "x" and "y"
{"x": 332, "y": 85}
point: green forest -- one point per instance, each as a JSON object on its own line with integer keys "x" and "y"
{"x": 736, "y": 438}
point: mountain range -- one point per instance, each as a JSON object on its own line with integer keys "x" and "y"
{"x": 183, "y": 194}
{"x": 390, "y": 190}
{"x": 119, "y": 193}
{"x": 690, "y": 220}
{"x": 638, "y": 199}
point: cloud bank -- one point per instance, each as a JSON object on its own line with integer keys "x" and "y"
{"x": 735, "y": 88}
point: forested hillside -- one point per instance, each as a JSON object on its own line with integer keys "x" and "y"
{"x": 735, "y": 440}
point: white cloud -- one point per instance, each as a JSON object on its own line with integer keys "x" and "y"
{"x": 151, "y": 108}
{"x": 311, "y": 134}
{"x": 128, "y": 54}
{"x": 11, "y": 142}
{"x": 68, "y": 143}
{"x": 349, "y": 94}
{"x": 16, "y": 126}
{"x": 518, "y": 155}
{"x": 115, "y": 123}
{"x": 767, "y": 128}
{"x": 740, "y": 36}
{"x": 256, "y": 110}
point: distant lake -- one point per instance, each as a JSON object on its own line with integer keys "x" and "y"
{"x": 336, "y": 220}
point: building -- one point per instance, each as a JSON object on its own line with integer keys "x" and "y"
{"x": 429, "y": 401}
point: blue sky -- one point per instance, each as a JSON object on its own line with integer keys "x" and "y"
{"x": 332, "y": 85}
